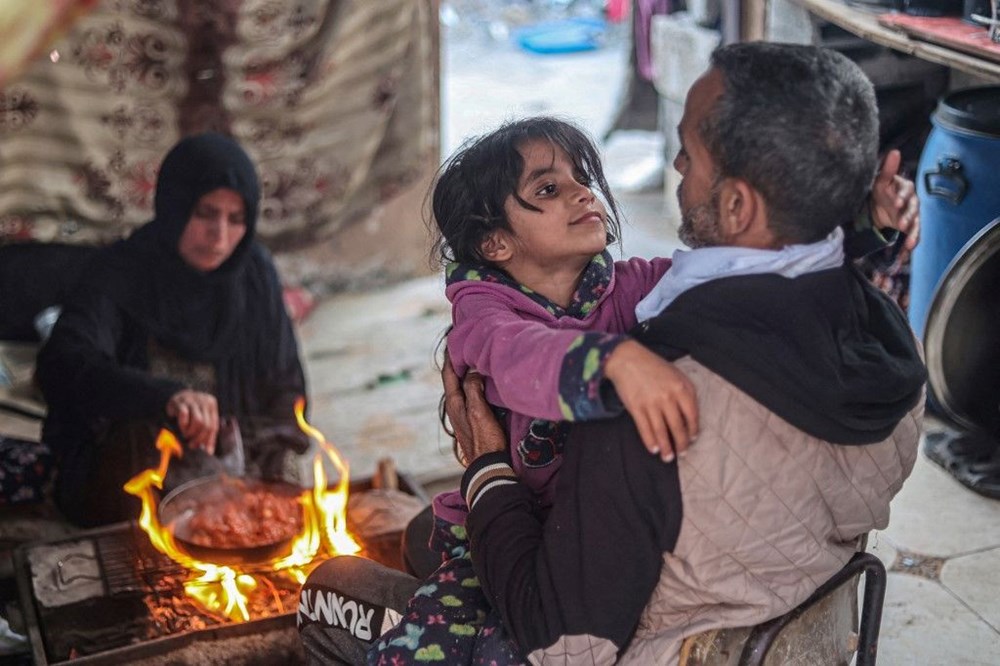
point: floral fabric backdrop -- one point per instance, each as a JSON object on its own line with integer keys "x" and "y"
{"x": 27, "y": 28}
{"x": 336, "y": 101}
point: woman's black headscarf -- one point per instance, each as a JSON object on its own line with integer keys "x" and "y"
{"x": 193, "y": 313}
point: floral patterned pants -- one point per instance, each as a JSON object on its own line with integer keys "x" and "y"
{"x": 448, "y": 620}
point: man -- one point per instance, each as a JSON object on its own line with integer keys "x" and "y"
{"x": 810, "y": 392}
{"x": 809, "y": 382}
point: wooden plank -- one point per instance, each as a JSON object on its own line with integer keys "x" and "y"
{"x": 753, "y": 19}
{"x": 951, "y": 32}
{"x": 864, "y": 23}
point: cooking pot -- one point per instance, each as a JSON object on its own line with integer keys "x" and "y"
{"x": 188, "y": 500}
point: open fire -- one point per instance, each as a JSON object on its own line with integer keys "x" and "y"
{"x": 224, "y": 588}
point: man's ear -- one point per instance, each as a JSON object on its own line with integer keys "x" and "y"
{"x": 496, "y": 247}
{"x": 735, "y": 206}
{"x": 743, "y": 213}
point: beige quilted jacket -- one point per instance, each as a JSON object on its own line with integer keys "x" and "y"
{"x": 770, "y": 513}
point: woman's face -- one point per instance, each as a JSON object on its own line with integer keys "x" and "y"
{"x": 216, "y": 227}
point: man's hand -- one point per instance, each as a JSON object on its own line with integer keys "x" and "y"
{"x": 894, "y": 203}
{"x": 660, "y": 398}
{"x": 197, "y": 417}
{"x": 477, "y": 430}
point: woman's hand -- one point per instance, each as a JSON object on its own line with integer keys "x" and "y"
{"x": 660, "y": 398}
{"x": 197, "y": 417}
{"x": 477, "y": 430}
{"x": 894, "y": 202}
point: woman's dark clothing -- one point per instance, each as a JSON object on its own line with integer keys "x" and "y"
{"x": 142, "y": 325}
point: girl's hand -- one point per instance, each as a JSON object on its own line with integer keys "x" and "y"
{"x": 894, "y": 203}
{"x": 660, "y": 398}
{"x": 197, "y": 417}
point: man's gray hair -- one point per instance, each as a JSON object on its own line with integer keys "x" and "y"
{"x": 800, "y": 124}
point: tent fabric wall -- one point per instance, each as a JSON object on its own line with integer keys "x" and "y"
{"x": 336, "y": 101}
{"x": 28, "y": 28}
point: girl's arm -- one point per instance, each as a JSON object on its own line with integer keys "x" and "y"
{"x": 659, "y": 397}
{"x": 559, "y": 374}
{"x": 533, "y": 368}
{"x": 891, "y": 207}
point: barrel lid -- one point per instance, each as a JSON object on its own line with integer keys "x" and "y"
{"x": 975, "y": 109}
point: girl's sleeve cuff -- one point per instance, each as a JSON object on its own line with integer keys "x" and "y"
{"x": 581, "y": 395}
{"x": 862, "y": 237}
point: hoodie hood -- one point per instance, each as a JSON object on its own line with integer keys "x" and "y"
{"x": 826, "y": 351}
{"x": 596, "y": 283}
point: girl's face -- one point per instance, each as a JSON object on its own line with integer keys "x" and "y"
{"x": 570, "y": 226}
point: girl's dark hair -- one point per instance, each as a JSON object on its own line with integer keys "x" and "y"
{"x": 472, "y": 186}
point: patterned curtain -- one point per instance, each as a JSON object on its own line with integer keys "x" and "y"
{"x": 27, "y": 28}
{"x": 336, "y": 100}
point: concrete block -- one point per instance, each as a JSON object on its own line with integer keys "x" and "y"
{"x": 681, "y": 49}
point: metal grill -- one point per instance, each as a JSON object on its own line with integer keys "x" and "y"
{"x": 108, "y": 596}
{"x": 129, "y": 564}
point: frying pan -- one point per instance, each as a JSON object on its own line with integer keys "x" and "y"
{"x": 185, "y": 501}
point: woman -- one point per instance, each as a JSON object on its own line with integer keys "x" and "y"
{"x": 181, "y": 325}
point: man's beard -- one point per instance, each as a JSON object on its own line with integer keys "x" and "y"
{"x": 700, "y": 224}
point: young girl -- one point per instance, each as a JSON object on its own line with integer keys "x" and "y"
{"x": 539, "y": 307}
{"x": 540, "y": 310}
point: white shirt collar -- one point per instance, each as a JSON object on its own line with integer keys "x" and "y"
{"x": 694, "y": 267}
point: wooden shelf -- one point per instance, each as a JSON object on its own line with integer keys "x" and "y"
{"x": 864, "y": 23}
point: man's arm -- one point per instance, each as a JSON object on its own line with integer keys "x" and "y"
{"x": 577, "y": 581}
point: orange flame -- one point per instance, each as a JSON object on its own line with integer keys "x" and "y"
{"x": 330, "y": 504}
{"x": 225, "y": 589}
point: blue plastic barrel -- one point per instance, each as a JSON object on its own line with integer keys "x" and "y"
{"x": 958, "y": 182}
